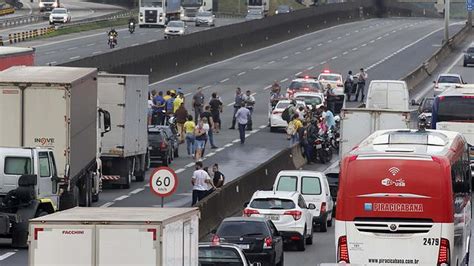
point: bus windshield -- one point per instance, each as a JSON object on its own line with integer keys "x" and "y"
{"x": 454, "y": 109}
{"x": 151, "y": 3}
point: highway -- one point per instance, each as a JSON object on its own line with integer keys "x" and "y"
{"x": 388, "y": 48}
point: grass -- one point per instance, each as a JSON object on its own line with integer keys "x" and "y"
{"x": 87, "y": 27}
{"x": 240, "y": 6}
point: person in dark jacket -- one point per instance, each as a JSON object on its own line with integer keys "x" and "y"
{"x": 181, "y": 116}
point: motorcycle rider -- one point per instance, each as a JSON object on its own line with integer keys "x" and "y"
{"x": 131, "y": 23}
{"x": 114, "y": 34}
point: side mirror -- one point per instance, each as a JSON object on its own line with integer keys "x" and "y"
{"x": 55, "y": 180}
{"x": 214, "y": 231}
{"x": 107, "y": 121}
{"x": 66, "y": 170}
{"x": 434, "y": 81}
{"x": 246, "y": 204}
{"x": 413, "y": 102}
{"x": 311, "y": 206}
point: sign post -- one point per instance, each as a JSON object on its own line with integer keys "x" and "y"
{"x": 470, "y": 8}
{"x": 163, "y": 182}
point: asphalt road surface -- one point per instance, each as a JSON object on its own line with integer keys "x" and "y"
{"x": 388, "y": 48}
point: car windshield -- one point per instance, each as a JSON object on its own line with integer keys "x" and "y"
{"x": 310, "y": 100}
{"x": 176, "y": 24}
{"x": 204, "y": 14}
{"x": 47, "y": 1}
{"x": 59, "y": 11}
{"x": 272, "y": 204}
{"x": 449, "y": 79}
{"x": 470, "y": 50}
{"x": 218, "y": 255}
{"x": 282, "y": 105}
{"x": 310, "y": 185}
{"x": 155, "y": 138}
{"x": 242, "y": 228}
{"x": 330, "y": 78}
{"x": 427, "y": 106}
{"x": 301, "y": 85}
{"x": 283, "y": 8}
{"x": 287, "y": 183}
{"x": 151, "y": 3}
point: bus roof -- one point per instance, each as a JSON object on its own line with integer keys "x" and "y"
{"x": 408, "y": 143}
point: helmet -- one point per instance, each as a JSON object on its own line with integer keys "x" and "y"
{"x": 337, "y": 118}
{"x": 171, "y": 120}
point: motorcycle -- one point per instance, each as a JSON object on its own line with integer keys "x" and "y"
{"x": 131, "y": 27}
{"x": 334, "y": 138}
{"x": 112, "y": 41}
{"x": 322, "y": 149}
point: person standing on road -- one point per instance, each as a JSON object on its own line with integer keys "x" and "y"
{"x": 158, "y": 114}
{"x": 201, "y": 182}
{"x": 178, "y": 100}
{"x": 216, "y": 110}
{"x": 198, "y": 104}
{"x": 361, "y": 79}
{"x": 306, "y": 142}
{"x": 293, "y": 129}
{"x": 242, "y": 116}
{"x": 249, "y": 102}
{"x": 218, "y": 178}
{"x": 181, "y": 115}
{"x": 348, "y": 83}
{"x": 189, "y": 127}
{"x": 238, "y": 103}
{"x": 207, "y": 114}
{"x": 201, "y": 137}
{"x": 151, "y": 95}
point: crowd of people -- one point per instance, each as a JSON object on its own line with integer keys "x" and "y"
{"x": 205, "y": 181}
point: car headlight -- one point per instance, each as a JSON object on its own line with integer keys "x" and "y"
{"x": 41, "y": 4}
{"x": 276, "y": 12}
{"x": 167, "y": 30}
{"x": 181, "y": 31}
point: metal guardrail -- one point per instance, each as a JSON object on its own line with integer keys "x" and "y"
{"x": 15, "y": 21}
{"x": 25, "y": 35}
{"x": 117, "y": 15}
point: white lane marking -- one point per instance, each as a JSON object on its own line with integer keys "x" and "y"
{"x": 372, "y": 41}
{"x": 138, "y": 190}
{"x": 346, "y": 52}
{"x": 135, "y": 44}
{"x": 330, "y": 41}
{"x": 393, "y": 31}
{"x": 74, "y": 57}
{"x": 254, "y": 131}
{"x": 97, "y": 52}
{"x": 387, "y": 34}
{"x": 220, "y": 149}
{"x": 235, "y": 141}
{"x": 310, "y": 68}
{"x": 334, "y": 57}
{"x": 91, "y": 44}
{"x": 363, "y": 45}
{"x": 241, "y": 73}
{"x": 51, "y": 52}
{"x": 189, "y": 164}
{"x": 356, "y": 31}
{"x": 255, "y": 68}
{"x": 6, "y": 255}
{"x": 354, "y": 49}
{"x": 253, "y": 94}
{"x": 152, "y": 40}
{"x": 299, "y": 73}
{"x": 309, "y": 48}
{"x": 347, "y": 34}
{"x": 322, "y": 63}
{"x": 284, "y": 80}
{"x": 271, "y": 62}
{"x": 187, "y": 94}
{"x": 210, "y": 154}
{"x": 339, "y": 37}
{"x": 230, "y": 104}
{"x": 267, "y": 87}
{"x": 285, "y": 57}
{"x": 247, "y": 135}
{"x": 297, "y": 53}
{"x": 228, "y": 145}
{"x": 71, "y": 48}
{"x": 224, "y": 80}
{"x": 380, "y": 37}
{"x": 320, "y": 44}
{"x": 52, "y": 63}
{"x": 263, "y": 126}
{"x": 147, "y": 185}
{"x": 180, "y": 170}
{"x": 108, "y": 204}
{"x": 121, "y": 198}
{"x": 256, "y": 51}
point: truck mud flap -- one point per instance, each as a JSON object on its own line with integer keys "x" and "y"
{"x": 4, "y": 224}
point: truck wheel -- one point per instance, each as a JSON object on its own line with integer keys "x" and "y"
{"x": 128, "y": 178}
{"x": 86, "y": 192}
{"x": 323, "y": 227}
{"x": 95, "y": 197}
{"x": 20, "y": 238}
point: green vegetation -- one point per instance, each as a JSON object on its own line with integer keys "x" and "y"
{"x": 240, "y": 6}
{"x": 87, "y": 27}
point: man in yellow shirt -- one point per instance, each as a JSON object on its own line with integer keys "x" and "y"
{"x": 189, "y": 127}
{"x": 293, "y": 128}
{"x": 177, "y": 103}
{"x": 167, "y": 96}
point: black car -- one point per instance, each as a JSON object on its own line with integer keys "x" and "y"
{"x": 283, "y": 9}
{"x": 173, "y": 138}
{"x": 222, "y": 254}
{"x": 257, "y": 237}
{"x": 160, "y": 148}
{"x": 469, "y": 56}
{"x": 332, "y": 175}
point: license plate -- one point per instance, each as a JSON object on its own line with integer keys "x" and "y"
{"x": 273, "y": 217}
{"x": 319, "y": 146}
{"x": 244, "y": 246}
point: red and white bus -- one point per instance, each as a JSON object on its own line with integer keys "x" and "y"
{"x": 405, "y": 198}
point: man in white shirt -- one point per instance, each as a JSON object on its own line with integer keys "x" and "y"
{"x": 249, "y": 101}
{"x": 201, "y": 182}
{"x": 242, "y": 116}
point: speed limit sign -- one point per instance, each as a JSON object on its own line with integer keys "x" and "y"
{"x": 163, "y": 181}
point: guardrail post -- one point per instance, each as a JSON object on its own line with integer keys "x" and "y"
{"x": 361, "y": 12}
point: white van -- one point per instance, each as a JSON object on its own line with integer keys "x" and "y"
{"x": 314, "y": 187}
{"x": 387, "y": 94}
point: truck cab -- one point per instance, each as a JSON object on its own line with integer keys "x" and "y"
{"x": 48, "y": 5}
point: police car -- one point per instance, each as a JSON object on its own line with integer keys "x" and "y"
{"x": 305, "y": 84}
{"x": 333, "y": 79}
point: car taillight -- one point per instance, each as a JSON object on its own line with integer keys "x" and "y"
{"x": 249, "y": 212}
{"x": 215, "y": 240}
{"x": 296, "y": 214}
{"x": 277, "y": 112}
{"x": 342, "y": 250}
{"x": 163, "y": 146}
{"x": 443, "y": 255}
{"x": 268, "y": 242}
{"x": 468, "y": 97}
{"x": 323, "y": 207}
{"x": 305, "y": 89}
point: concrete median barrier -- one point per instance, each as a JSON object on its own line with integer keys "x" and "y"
{"x": 230, "y": 199}
{"x": 425, "y": 70}
{"x": 165, "y": 58}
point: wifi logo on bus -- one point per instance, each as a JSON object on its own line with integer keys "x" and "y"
{"x": 394, "y": 170}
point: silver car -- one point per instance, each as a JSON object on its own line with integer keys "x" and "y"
{"x": 254, "y": 14}
{"x": 205, "y": 18}
{"x": 175, "y": 28}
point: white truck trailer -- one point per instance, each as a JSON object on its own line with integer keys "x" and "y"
{"x": 158, "y": 13}
{"x": 359, "y": 123}
{"x": 125, "y": 147}
{"x": 56, "y": 107}
{"x": 115, "y": 236}
{"x": 262, "y": 6}
{"x": 467, "y": 130}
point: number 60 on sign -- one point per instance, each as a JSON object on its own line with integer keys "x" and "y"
{"x": 163, "y": 181}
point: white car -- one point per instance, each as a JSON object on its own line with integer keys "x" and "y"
{"x": 447, "y": 81}
{"x": 275, "y": 119}
{"x": 310, "y": 98}
{"x": 289, "y": 213}
{"x": 205, "y": 18}
{"x": 175, "y": 28}
{"x": 314, "y": 188}
{"x": 333, "y": 79}
{"x": 304, "y": 83}
{"x": 59, "y": 15}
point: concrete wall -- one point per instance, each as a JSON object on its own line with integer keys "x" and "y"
{"x": 165, "y": 58}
